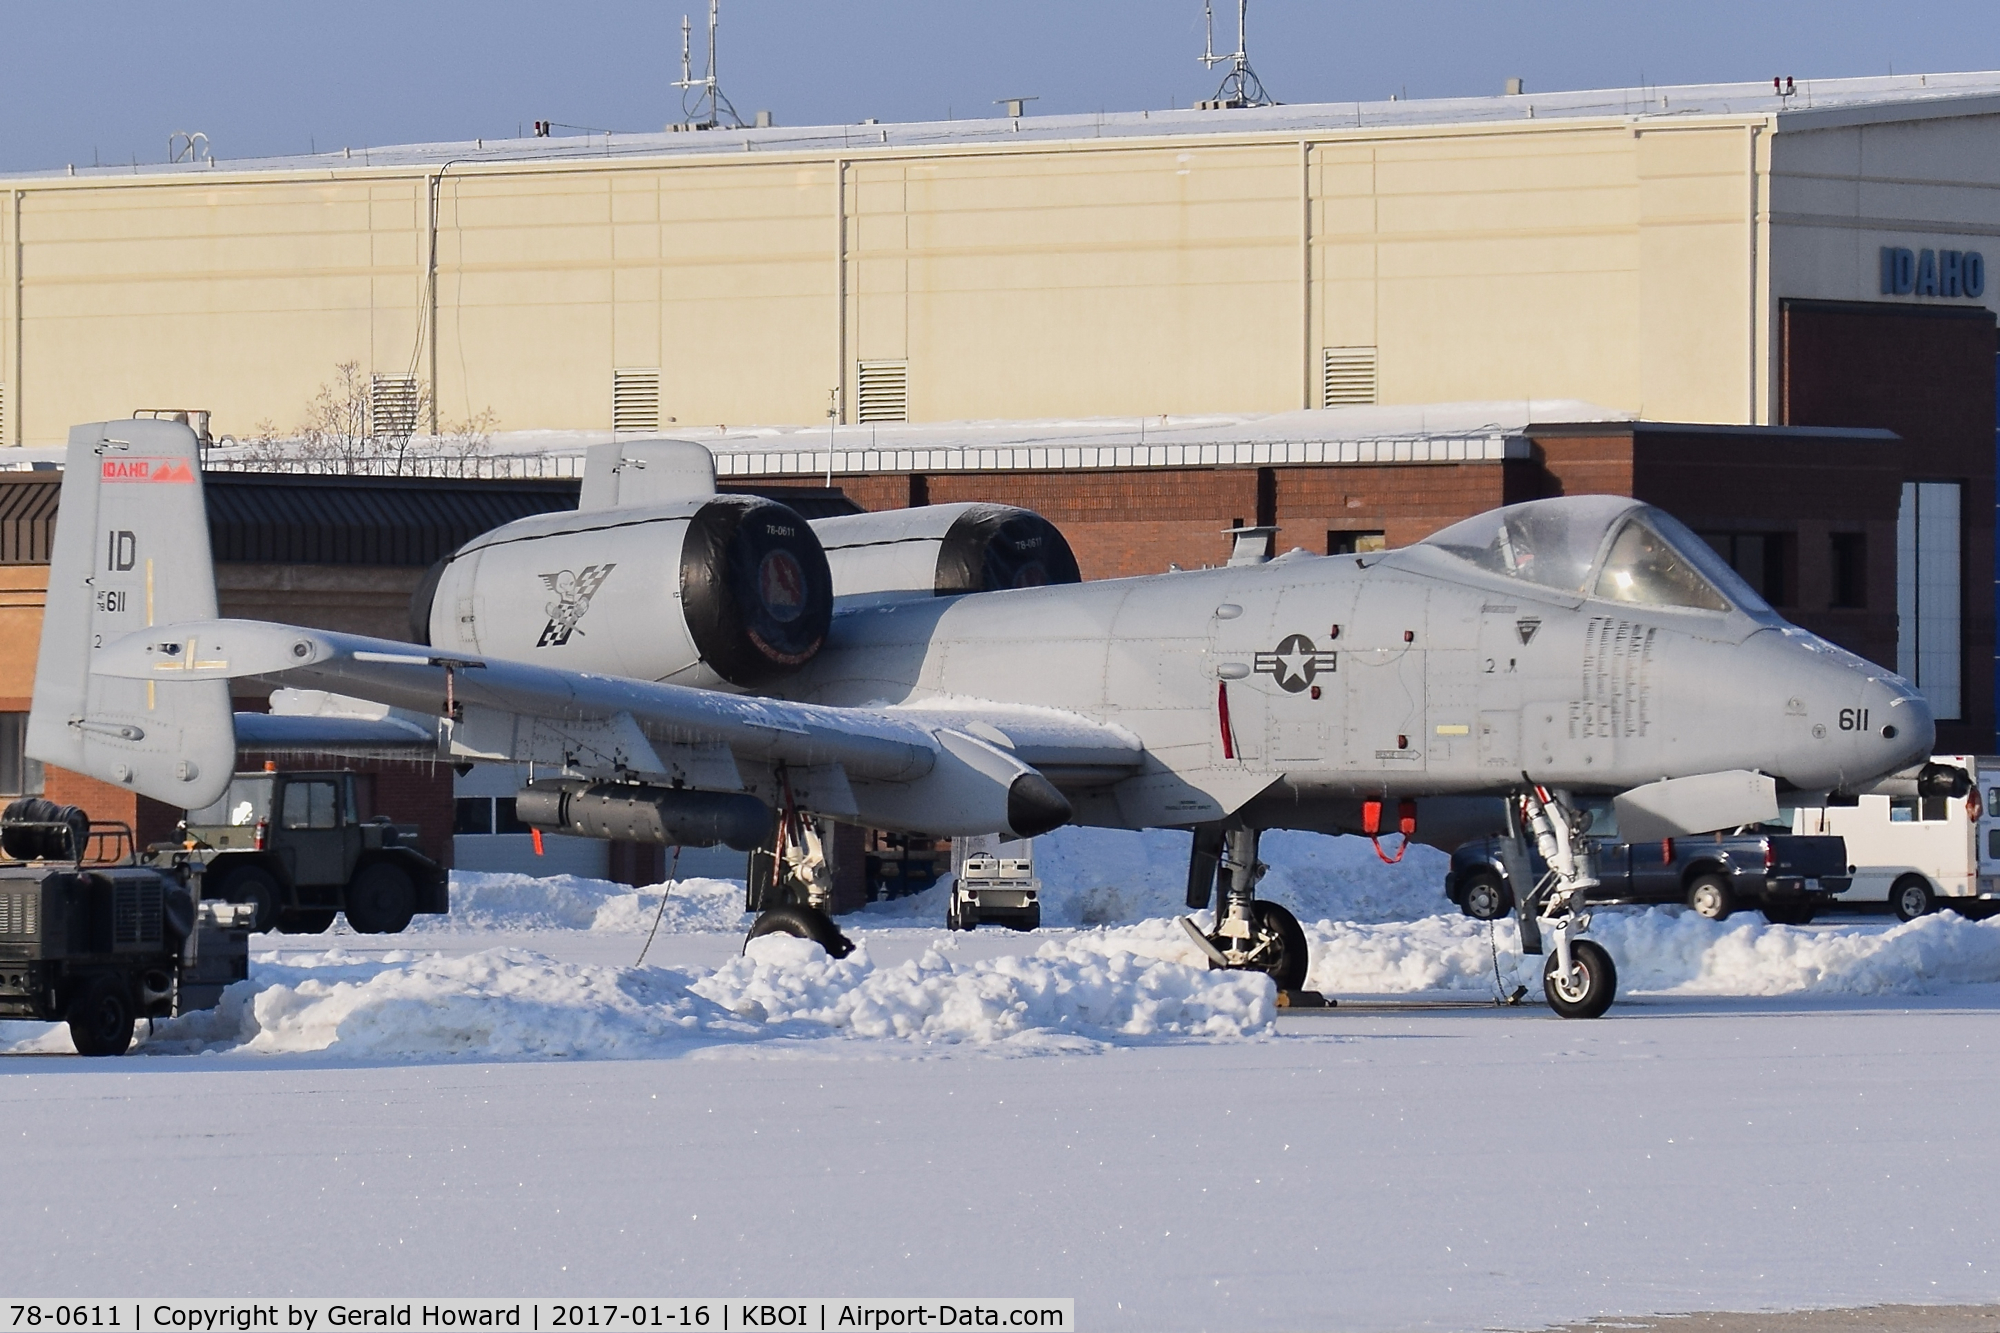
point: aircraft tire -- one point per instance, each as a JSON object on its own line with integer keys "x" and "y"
{"x": 1710, "y": 896}
{"x": 1595, "y": 990}
{"x": 1486, "y": 897}
{"x": 1288, "y": 956}
{"x": 806, "y": 923}
{"x": 1912, "y": 897}
{"x": 256, "y": 886}
{"x": 100, "y": 1017}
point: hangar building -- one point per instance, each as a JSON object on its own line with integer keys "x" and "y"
{"x": 1785, "y": 263}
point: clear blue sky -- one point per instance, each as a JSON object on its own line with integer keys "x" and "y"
{"x": 84, "y": 79}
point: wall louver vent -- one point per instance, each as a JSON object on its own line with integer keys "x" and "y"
{"x": 1346, "y": 376}
{"x": 882, "y": 391}
{"x": 635, "y": 400}
{"x": 392, "y": 406}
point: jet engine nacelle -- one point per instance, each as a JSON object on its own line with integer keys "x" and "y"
{"x": 702, "y": 591}
{"x": 944, "y": 550}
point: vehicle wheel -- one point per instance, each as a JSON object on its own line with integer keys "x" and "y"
{"x": 256, "y": 886}
{"x": 806, "y": 923}
{"x": 1591, "y": 987}
{"x": 306, "y": 920}
{"x": 1486, "y": 898}
{"x": 1028, "y": 920}
{"x": 954, "y": 915}
{"x": 1912, "y": 898}
{"x": 1789, "y": 914}
{"x": 100, "y": 1017}
{"x": 381, "y": 899}
{"x": 1279, "y": 945}
{"x": 1710, "y": 896}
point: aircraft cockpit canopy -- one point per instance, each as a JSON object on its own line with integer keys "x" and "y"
{"x": 1602, "y": 546}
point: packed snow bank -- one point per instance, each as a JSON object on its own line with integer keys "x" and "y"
{"x": 516, "y": 1004}
{"x": 495, "y": 901}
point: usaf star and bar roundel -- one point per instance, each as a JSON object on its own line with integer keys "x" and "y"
{"x": 1295, "y": 663}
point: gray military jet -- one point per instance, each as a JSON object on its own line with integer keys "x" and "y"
{"x": 686, "y": 667}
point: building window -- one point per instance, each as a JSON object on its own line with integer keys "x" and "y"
{"x": 1760, "y": 558}
{"x": 485, "y": 814}
{"x": 1355, "y": 542}
{"x": 19, "y": 775}
{"x": 1928, "y": 602}
{"x": 1850, "y": 571}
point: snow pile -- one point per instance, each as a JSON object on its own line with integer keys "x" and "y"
{"x": 1062, "y": 989}
{"x": 517, "y": 1004}
{"x": 490, "y": 901}
{"x": 495, "y": 1004}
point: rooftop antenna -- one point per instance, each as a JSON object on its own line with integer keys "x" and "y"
{"x": 708, "y": 105}
{"x": 1240, "y": 86}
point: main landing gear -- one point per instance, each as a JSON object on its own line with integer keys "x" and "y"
{"x": 1250, "y": 934}
{"x": 791, "y": 886}
{"x": 1578, "y": 978}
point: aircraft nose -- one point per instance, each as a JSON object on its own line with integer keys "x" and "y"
{"x": 1897, "y": 725}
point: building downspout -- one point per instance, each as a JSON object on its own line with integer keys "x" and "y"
{"x": 14, "y": 407}
{"x": 1305, "y": 276}
{"x": 840, "y": 291}
{"x": 1750, "y": 223}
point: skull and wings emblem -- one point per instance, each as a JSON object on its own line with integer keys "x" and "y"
{"x": 573, "y": 592}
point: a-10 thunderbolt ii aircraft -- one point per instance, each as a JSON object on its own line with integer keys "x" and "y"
{"x": 687, "y": 667}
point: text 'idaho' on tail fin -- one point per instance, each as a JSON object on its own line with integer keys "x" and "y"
{"x": 131, "y": 551}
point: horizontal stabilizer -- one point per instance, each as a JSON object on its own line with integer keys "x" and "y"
{"x": 1700, "y": 804}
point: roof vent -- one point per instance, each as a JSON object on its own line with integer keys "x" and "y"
{"x": 1515, "y": 88}
{"x": 883, "y": 391}
{"x": 1346, "y": 376}
{"x": 635, "y": 399}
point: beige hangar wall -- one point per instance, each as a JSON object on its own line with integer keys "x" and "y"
{"x": 1589, "y": 259}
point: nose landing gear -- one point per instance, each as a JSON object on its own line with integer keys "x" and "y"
{"x": 1578, "y": 977}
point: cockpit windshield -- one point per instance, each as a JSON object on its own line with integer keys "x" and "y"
{"x": 1602, "y": 546}
{"x": 1643, "y": 568}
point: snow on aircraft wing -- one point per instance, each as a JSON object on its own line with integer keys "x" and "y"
{"x": 504, "y": 710}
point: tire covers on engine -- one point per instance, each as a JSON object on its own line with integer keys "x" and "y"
{"x": 755, "y": 589}
{"x": 994, "y": 547}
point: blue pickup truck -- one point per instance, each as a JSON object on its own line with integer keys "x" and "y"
{"x": 1787, "y": 876}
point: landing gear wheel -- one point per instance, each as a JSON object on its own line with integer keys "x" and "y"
{"x": 1710, "y": 896}
{"x": 1789, "y": 914}
{"x": 256, "y": 886}
{"x": 1591, "y": 987}
{"x": 1277, "y": 947}
{"x": 1912, "y": 898}
{"x": 100, "y": 1017}
{"x": 806, "y": 923}
{"x": 381, "y": 899}
{"x": 306, "y": 920}
{"x": 1486, "y": 898}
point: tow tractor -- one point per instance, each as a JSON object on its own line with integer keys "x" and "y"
{"x": 294, "y": 848}
{"x": 91, "y": 937}
{"x": 995, "y": 882}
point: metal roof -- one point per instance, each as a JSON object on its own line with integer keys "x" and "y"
{"x": 283, "y": 519}
{"x": 1815, "y": 103}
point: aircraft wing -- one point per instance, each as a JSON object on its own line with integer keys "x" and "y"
{"x": 955, "y": 766}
